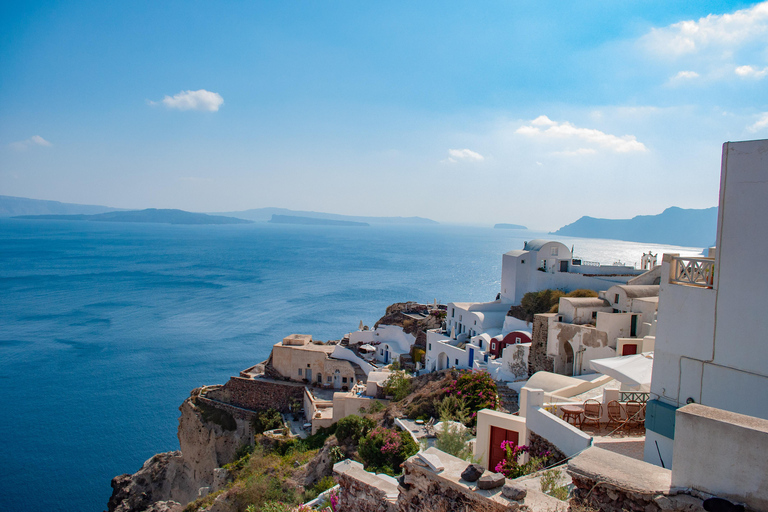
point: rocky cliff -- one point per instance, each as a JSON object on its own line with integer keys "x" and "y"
{"x": 208, "y": 439}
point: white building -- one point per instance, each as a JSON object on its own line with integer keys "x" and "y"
{"x": 621, "y": 321}
{"x": 543, "y": 264}
{"x": 389, "y": 342}
{"x": 711, "y": 333}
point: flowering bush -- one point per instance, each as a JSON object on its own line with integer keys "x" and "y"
{"x": 511, "y": 468}
{"x": 477, "y": 390}
{"x": 384, "y": 449}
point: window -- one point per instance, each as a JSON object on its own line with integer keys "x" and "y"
{"x": 594, "y": 314}
{"x": 344, "y": 380}
{"x": 522, "y": 262}
{"x": 517, "y": 339}
{"x": 459, "y": 318}
{"x": 554, "y": 251}
{"x": 329, "y": 379}
{"x": 452, "y": 312}
{"x": 616, "y": 299}
{"x": 475, "y": 322}
{"x": 299, "y": 372}
{"x": 493, "y": 346}
{"x": 307, "y": 365}
{"x": 430, "y": 346}
{"x": 457, "y": 361}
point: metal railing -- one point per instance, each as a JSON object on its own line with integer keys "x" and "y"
{"x": 693, "y": 272}
{"x": 634, "y": 396}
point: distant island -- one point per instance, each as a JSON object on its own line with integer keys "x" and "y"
{"x": 292, "y": 219}
{"x": 509, "y": 226}
{"x": 265, "y": 215}
{"x": 10, "y": 206}
{"x": 674, "y": 226}
{"x": 150, "y": 215}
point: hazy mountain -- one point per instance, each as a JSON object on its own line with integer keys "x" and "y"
{"x": 10, "y": 206}
{"x": 291, "y": 219}
{"x": 265, "y": 214}
{"x": 151, "y": 215}
{"x": 674, "y": 226}
{"x": 509, "y": 226}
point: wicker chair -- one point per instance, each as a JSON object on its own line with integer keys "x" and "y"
{"x": 635, "y": 415}
{"x": 616, "y": 415}
{"x": 593, "y": 410}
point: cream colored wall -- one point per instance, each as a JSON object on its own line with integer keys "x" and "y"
{"x": 289, "y": 359}
{"x": 486, "y": 419}
{"x": 346, "y": 404}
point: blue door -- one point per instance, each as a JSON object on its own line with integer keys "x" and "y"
{"x": 471, "y": 356}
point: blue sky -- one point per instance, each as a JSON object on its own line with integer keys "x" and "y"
{"x": 533, "y": 113}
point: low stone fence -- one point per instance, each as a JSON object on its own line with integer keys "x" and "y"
{"x": 362, "y": 491}
{"x": 258, "y": 394}
{"x": 614, "y": 483}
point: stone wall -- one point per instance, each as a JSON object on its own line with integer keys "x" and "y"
{"x": 539, "y": 445}
{"x": 362, "y": 491}
{"x": 537, "y": 357}
{"x": 258, "y": 394}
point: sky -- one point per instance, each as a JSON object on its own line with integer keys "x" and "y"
{"x": 533, "y": 113}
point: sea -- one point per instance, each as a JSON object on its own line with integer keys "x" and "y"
{"x": 106, "y": 327}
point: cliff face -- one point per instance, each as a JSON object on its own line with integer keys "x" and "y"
{"x": 207, "y": 441}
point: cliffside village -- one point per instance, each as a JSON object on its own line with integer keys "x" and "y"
{"x": 674, "y": 351}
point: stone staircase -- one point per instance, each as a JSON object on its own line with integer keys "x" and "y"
{"x": 508, "y": 398}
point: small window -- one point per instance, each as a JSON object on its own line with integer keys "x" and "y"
{"x": 307, "y": 365}
{"x": 430, "y": 346}
{"x": 517, "y": 339}
{"x": 616, "y": 299}
{"x": 475, "y": 322}
{"x": 594, "y": 314}
{"x": 299, "y": 372}
{"x": 459, "y": 318}
{"x": 493, "y": 346}
{"x": 554, "y": 251}
{"x": 452, "y": 312}
{"x": 328, "y": 379}
{"x": 457, "y": 361}
{"x": 522, "y": 262}
{"x": 344, "y": 380}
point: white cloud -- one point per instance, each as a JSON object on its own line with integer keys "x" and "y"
{"x": 685, "y": 75}
{"x": 721, "y": 31}
{"x": 750, "y": 72}
{"x": 34, "y": 140}
{"x": 760, "y": 123}
{"x": 466, "y": 155}
{"x": 577, "y": 152}
{"x": 543, "y": 127}
{"x": 193, "y": 100}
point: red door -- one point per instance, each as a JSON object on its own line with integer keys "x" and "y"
{"x": 629, "y": 350}
{"x": 496, "y": 454}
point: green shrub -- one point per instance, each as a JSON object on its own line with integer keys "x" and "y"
{"x": 550, "y": 484}
{"x": 337, "y": 454}
{"x": 383, "y": 450}
{"x": 542, "y": 301}
{"x": 266, "y": 420}
{"x": 398, "y": 385}
{"x": 582, "y": 292}
{"x": 353, "y": 427}
{"x": 215, "y": 415}
{"x": 245, "y": 449}
{"x": 417, "y": 354}
{"x": 452, "y": 407}
{"x": 453, "y": 439}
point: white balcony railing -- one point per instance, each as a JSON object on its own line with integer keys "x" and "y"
{"x": 693, "y": 271}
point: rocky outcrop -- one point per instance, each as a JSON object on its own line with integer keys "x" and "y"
{"x": 208, "y": 440}
{"x": 415, "y": 319}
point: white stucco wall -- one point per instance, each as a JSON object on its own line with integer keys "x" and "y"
{"x": 733, "y": 465}
{"x": 569, "y": 439}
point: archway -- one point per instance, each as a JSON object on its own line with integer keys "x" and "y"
{"x": 569, "y": 357}
{"x": 442, "y": 361}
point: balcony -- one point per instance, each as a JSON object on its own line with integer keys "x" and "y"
{"x": 698, "y": 272}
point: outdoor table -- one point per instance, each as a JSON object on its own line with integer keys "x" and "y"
{"x": 572, "y": 412}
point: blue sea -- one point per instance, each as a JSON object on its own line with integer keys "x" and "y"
{"x": 106, "y": 327}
